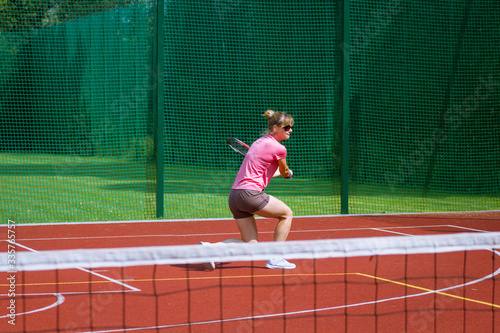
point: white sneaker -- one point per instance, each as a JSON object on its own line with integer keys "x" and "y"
{"x": 279, "y": 264}
{"x": 208, "y": 265}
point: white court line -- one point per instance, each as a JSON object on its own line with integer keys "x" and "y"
{"x": 489, "y": 276}
{"x": 383, "y": 229}
{"x": 126, "y": 236}
{"x": 232, "y": 233}
{"x": 73, "y": 293}
{"x": 390, "y": 231}
{"x": 444, "y": 225}
{"x": 469, "y": 229}
{"x": 313, "y": 310}
{"x": 60, "y": 300}
{"x": 231, "y": 219}
{"x": 87, "y": 271}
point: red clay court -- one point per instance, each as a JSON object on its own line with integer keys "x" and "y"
{"x": 448, "y": 292}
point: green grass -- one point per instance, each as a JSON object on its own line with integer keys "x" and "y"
{"x": 39, "y": 188}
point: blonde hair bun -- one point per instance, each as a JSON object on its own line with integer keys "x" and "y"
{"x": 277, "y": 118}
{"x": 268, "y": 114}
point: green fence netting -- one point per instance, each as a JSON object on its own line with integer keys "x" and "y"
{"x": 425, "y": 104}
{"x": 78, "y": 119}
{"x": 223, "y": 74}
{"x": 75, "y": 124}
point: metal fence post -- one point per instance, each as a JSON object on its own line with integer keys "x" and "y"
{"x": 160, "y": 107}
{"x": 345, "y": 44}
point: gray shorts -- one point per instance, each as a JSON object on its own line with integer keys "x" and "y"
{"x": 244, "y": 203}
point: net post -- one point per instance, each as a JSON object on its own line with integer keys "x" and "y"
{"x": 159, "y": 106}
{"x": 345, "y": 75}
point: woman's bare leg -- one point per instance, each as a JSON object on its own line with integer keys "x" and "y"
{"x": 279, "y": 210}
{"x": 248, "y": 229}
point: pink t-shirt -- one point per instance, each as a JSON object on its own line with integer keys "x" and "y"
{"x": 260, "y": 164}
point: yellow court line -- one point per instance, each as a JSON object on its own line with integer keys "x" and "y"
{"x": 264, "y": 276}
{"x": 175, "y": 279}
{"x": 65, "y": 283}
{"x": 239, "y": 277}
{"x": 430, "y": 290}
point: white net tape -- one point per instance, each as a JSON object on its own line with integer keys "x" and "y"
{"x": 312, "y": 249}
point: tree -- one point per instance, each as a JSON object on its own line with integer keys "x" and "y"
{"x": 26, "y": 15}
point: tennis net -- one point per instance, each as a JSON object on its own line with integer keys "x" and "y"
{"x": 412, "y": 284}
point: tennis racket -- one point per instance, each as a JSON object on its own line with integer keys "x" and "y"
{"x": 238, "y": 146}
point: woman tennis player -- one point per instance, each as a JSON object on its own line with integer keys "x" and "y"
{"x": 265, "y": 159}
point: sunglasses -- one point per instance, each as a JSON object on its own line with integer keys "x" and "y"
{"x": 287, "y": 128}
